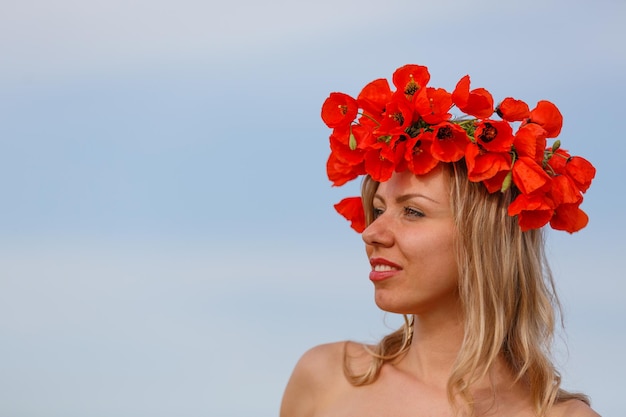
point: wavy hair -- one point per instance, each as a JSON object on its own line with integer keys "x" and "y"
{"x": 507, "y": 294}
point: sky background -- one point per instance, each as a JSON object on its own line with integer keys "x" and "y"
{"x": 168, "y": 244}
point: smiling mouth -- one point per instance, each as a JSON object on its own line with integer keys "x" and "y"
{"x": 383, "y": 268}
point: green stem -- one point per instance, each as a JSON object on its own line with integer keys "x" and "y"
{"x": 371, "y": 118}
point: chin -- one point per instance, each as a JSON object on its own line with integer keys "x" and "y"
{"x": 394, "y": 306}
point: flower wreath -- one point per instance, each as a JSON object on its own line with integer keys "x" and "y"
{"x": 382, "y": 131}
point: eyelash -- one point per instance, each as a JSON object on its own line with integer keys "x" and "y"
{"x": 409, "y": 211}
{"x": 413, "y": 212}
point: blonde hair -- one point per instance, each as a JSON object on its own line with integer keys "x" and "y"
{"x": 507, "y": 293}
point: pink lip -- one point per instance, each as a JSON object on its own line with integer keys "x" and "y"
{"x": 382, "y": 275}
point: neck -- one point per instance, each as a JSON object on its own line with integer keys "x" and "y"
{"x": 433, "y": 352}
{"x": 434, "y": 349}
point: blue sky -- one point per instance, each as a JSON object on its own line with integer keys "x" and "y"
{"x": 168, "y": 243}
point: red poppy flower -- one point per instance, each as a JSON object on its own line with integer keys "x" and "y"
{"x": 496, "y": 183}
{"x": 513, "y": 110}
{"x": 378, "y": 166}
{"x": 569, "y": 217}
{"x": 433, "y": 105}
{"x": 532, "y": 210}
{"x": 384, "y": 144}
{"x": 339, "y": 110}
{"x": 340, "y": 172}
{"x": 478, "y": 102}
{"x": 530, "y": 141}
{"x": 564, "y": 191}
{"x": 380, "y": 157}
{"x": 548, "y": 116}
{"x": 352, "y": 209}
{"x": 483, "y": 165}
{"x": 399, "y": 156}
{"x": 580, "y": 171}
{"x": 373, "y": 98}
{"x": 558, "y": 160}
{"x": 344, "y": 163}
{"x": 397, "y": 117}
{"x": 419, "y": 159}
{"x": 346, "y": 143}
{"x": 449, "y": 142}
{"x": 577, "y": 168}
{"x": 410, "y": 79}
{"x": 529, "y": 176}
{"x": 494, "y": 135}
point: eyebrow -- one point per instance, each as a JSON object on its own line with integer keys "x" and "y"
{"x": 405, "y": 197}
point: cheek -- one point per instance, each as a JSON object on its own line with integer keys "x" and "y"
{"x": 447, "y": 254}
{"x": 434, "y": 253}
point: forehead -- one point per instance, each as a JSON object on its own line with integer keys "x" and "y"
{"x": 434, "y": 185}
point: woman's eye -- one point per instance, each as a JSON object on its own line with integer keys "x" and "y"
{"x": 376, "y": 212}
{"x": 411, "y": 212}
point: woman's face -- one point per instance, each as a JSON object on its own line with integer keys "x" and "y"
{"x": 410, "y": 245}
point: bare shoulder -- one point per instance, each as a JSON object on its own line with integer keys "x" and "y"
{"x": 572, "y": 408}
{"x": 319, "y": 371}
{"x": 321, "y": 362}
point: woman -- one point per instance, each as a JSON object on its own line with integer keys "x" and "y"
{"x": 451, "y": 215}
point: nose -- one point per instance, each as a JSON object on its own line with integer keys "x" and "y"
{"x": 378, "y": 233}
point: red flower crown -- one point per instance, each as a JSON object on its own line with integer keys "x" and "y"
{"x": 382, "y": 131}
